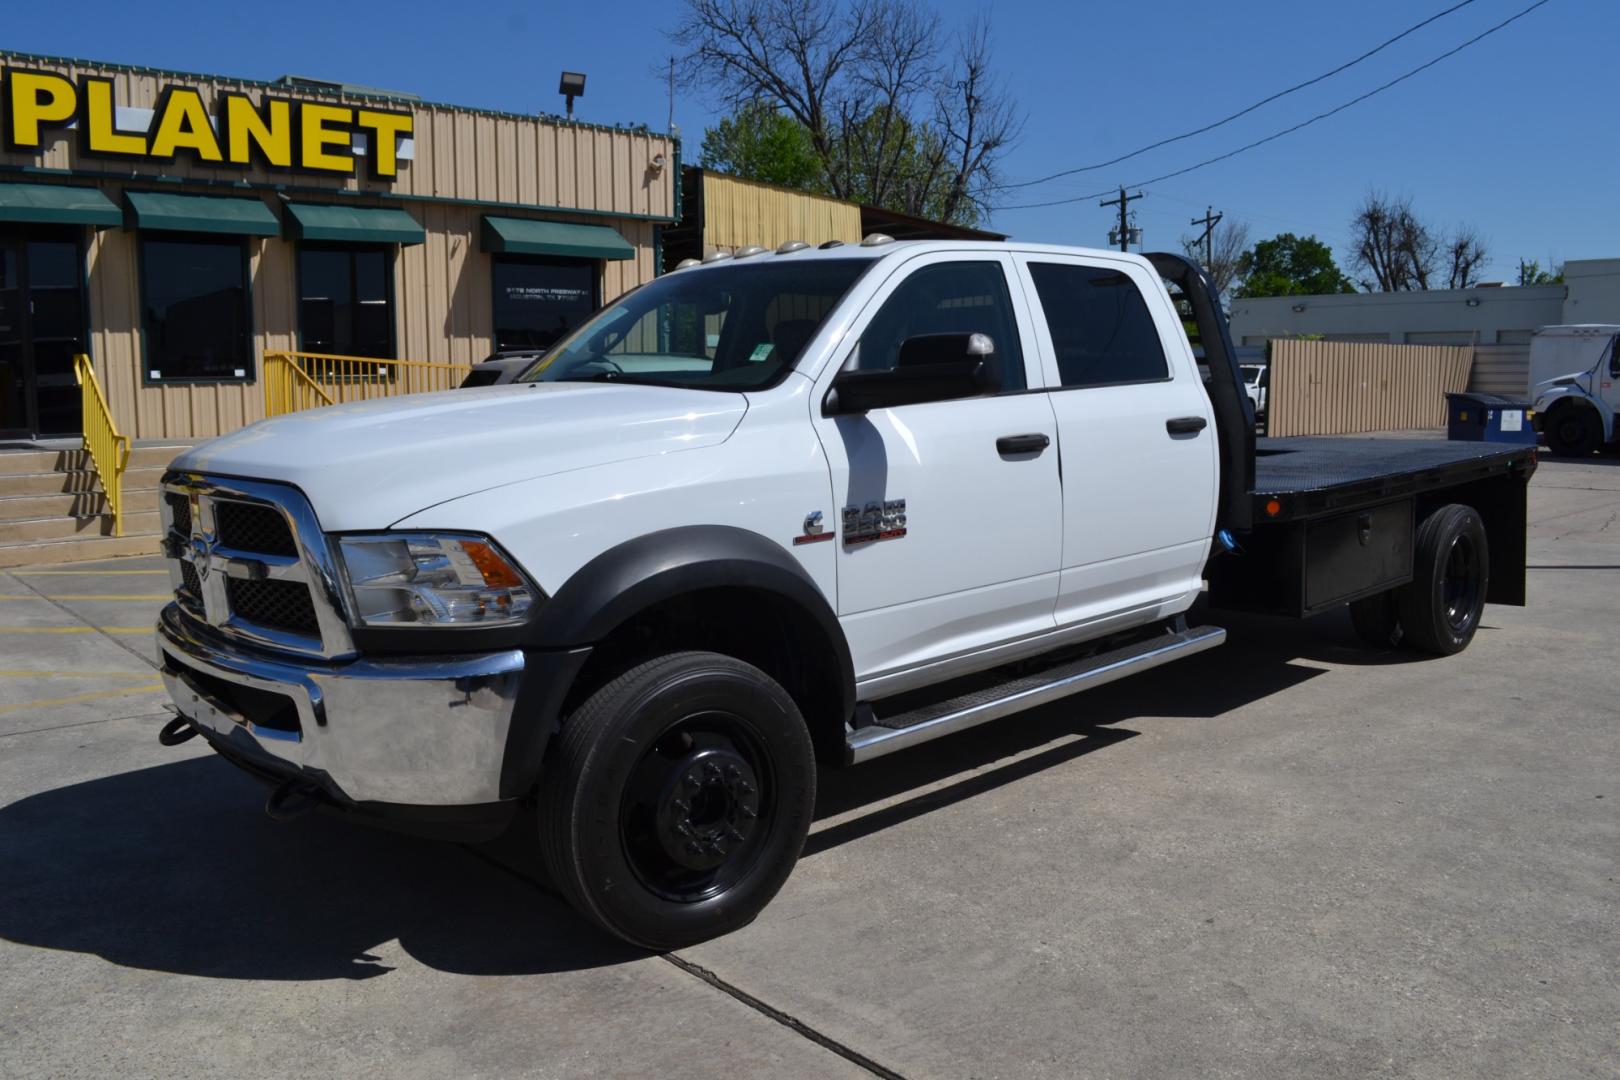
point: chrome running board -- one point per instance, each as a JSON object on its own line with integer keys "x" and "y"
{"x": 891, "y": 733}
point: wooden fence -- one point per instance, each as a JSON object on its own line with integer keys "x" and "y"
{"x": 1342, "y": 387}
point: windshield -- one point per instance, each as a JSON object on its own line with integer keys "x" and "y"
{"x": 736, "y": 327}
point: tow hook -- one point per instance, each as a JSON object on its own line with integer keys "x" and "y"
{"x": 177, "y": 731}
{"x": 292, "y": 799}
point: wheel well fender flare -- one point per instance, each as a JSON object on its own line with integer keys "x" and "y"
{"x": 633, "y": 576}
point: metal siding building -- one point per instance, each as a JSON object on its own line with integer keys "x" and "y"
{"x": 443, "y": 293}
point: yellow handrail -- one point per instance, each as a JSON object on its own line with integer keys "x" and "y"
{"x": 109, "y": 451}
{"x": 295, "y": 381}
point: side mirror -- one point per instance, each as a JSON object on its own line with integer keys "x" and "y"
{"x": 930, "y": 367}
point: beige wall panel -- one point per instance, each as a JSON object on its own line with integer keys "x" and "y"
{"x": 458, "y": 154}
{"x": 1338, "y": 388}
{"x": 737, "y": 213}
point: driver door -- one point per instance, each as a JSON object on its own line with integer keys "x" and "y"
{"x": 947, "y": 542}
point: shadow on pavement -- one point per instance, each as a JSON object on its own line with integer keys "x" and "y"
{"x": 175, "y": 868}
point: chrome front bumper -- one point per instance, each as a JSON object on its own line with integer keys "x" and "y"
{"x": 424, "y": 731}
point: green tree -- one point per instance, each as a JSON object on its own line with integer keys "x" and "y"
{"x": 1289, "y": 265}
{"x": 760, "y": 143}
{"x": 1531, "y": 273}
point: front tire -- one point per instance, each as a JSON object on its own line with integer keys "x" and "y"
{"x": 1574, "y": 431}
{"x": 1451, "y": 573}
{"x": 677, "y": 799}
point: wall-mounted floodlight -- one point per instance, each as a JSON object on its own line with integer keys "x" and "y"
{"x": 571, "y": 86}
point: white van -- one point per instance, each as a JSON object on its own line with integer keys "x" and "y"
{"x": 1575, "y": 381}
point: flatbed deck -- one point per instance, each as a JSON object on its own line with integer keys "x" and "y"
{"x": 1315, "y": 475}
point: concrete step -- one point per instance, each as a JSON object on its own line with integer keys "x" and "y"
{"x": 82, "y": 504}
{"x": 40, "y": 461}
{"x": 65, "y": 528}
{"x": 82, "y": 549}
{"x": 73, "y": 482}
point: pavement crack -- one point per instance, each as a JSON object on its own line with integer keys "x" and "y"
{"x": 64, "y": 609}
{"x": 787, "y": 1020}
{"x": 737, "y": 993}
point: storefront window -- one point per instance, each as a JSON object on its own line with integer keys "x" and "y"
{"x": 194, "y": 302}
{"x": 345, "y": 301}
{"x": 538, "y": 301}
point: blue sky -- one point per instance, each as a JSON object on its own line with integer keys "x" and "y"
{"x": 1517, "y": 135}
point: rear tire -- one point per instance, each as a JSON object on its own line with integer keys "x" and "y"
{"x": 1377, "y": 620}
{"x": 1573, "y": 431}
{"x": 1441, "y": 608}
{"x": 677, "y": 799}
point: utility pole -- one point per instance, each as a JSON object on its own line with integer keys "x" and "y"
{"x": 1208, "y": 221}
{"x": 1125, "y": 230}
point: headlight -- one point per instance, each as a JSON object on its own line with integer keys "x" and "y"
{"x": 405, "y": 579}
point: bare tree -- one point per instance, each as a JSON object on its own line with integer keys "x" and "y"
{"x": 899, "y": 115}
{"x": 1466, "y": 253}
{"x": 1391, "y": 244}
{"x": 1400, "y": 252}
{"x": 1228, "y": 244}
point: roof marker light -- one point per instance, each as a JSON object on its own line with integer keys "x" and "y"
{"x": 876, "y": 239}
{"x": 791, "y": 246}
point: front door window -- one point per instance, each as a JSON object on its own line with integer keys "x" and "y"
{"x": 42, "y": 327}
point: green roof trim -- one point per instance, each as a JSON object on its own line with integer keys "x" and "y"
{"x": 526, "y": 236}
{"x": 201, "y": 213}
{"x": 352, "y": 224}
{"x": 57, "y": 204}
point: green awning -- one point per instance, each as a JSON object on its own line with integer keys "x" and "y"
{"x": 353, "y": 224}
{"x": 522, "y": 236}
{"x": 57, "y": 204}
{"x": 202, "y": 213}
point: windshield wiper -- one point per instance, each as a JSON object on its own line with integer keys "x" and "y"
{"x": 614, "y": 376}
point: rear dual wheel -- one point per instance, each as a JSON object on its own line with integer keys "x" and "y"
{"x": 1439, "y": 610}
{"x": 677, "y": 798}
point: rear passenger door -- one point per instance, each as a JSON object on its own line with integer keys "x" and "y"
{"x": 1136, "y": 439}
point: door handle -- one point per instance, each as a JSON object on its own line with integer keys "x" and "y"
{"x": 1186, "y": 425}
{"x": 1022, "y": 444}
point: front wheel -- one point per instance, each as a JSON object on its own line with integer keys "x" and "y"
{"x": 1573, "y": 431}
{"x": 677, "y": 798}
{"x": 1440, "y": 609}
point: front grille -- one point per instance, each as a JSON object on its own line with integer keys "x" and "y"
{"x": 253, "y": 527}
{"x": 279, "y": 605}
{"x": 180, "y": 510}
{"x": 191, "y": 587}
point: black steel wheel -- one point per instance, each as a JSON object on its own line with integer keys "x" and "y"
{"x": 677, "y": 798}
{"x": 1440, "y": 609}
{"x": 1573, "y": 431}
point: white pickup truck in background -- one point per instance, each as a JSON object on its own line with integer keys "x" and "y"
{"x": 782, "y": 509}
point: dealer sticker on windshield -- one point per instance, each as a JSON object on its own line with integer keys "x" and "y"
{"x": 761, "y": 353}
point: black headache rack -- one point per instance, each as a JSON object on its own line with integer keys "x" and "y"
{"x": 1318, "y": 522}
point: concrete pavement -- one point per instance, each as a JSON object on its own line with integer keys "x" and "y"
{"x": 1286, "y": 857}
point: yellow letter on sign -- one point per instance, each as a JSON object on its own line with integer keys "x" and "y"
{"x": 101, "y": 135}
{"x": 316, "y": 137}
{"x": 37, "y": 99}
{"x": 182, "y": 124}
{"x": 383, "y": 130}
{"x": 267, "y": 131}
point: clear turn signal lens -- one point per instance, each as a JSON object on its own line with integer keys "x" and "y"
{"x": 419, "y": 579}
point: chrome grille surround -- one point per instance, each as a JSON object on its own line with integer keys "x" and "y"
{"x": 212, "y": 563}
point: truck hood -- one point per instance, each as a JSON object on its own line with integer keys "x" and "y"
{"x": 369, "y": 464}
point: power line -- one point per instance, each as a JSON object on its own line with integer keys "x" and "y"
{"x": 1302, "y": 124}
{"x": 1243, "y": 112}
